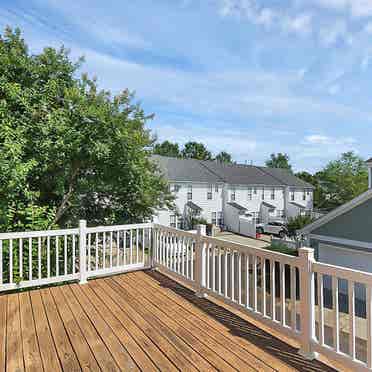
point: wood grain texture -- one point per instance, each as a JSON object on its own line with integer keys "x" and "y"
{"x": 136, "y": 321}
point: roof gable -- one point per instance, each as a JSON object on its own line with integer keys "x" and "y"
{"x": 363, "y": 198}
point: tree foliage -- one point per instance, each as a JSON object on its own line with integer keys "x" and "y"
{"x": 342, "y": 180}
{"x": 167, "y": 148}
{"x": 279, "y": 160}
{"x": 67, "y": 150}
{"x": 224, "y": 157}
{"x": 196, "y": 150}
{"x": 297, "y": 223}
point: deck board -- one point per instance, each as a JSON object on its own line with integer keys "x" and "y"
{"x": 135, "y": 321}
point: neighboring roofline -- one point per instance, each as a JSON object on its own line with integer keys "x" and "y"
{"x": 297, "y": 204}
{"x": 267, "y": 204}
{"x": 237, "y": 206}
{"x": 342, "y": 241}
{"x": 337, "y": 212}
{"x": 369, "y": 161}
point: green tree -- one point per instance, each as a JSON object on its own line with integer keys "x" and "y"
{"x": 319, "y": 196}
{"x": 224, "y": 157}
{"x": 279, "y": 160}
{"x": 297, "y": 223}
{"x": 67, "y": 150}
{"x": 343, "y": 179}
{"x": 167, "y": 148}
{"x": 195, "y": 150}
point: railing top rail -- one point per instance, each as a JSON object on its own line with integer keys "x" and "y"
{"x": 277, "y": 256}
{"x": 342, "y": 273}
{"x": 36, "y": 234}
{"x": 176, "y": 231}
{"x": 118, "y": 227}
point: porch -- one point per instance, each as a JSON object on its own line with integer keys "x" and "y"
{"x": 135, "y": 321}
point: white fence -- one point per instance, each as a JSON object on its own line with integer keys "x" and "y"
{"x": 42, "y": 257}
{"x": 328, "y": 309}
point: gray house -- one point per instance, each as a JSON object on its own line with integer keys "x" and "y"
{"x": 344, "y": 236}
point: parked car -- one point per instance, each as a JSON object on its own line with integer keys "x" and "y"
{"x": 274, "y": 228}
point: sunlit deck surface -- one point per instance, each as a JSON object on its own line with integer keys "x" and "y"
{"x": 135, "y": 321}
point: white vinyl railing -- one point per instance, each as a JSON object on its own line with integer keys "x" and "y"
{"x": 328, "y": 309}
{"x": 43, "y": 257}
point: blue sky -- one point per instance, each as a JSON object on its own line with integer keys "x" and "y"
{"x": 250, "y": 77}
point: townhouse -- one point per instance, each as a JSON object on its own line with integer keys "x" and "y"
{"x": 205, "y": 189}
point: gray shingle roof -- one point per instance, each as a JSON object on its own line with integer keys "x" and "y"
{"x": 286, "y": 177}
{"x": 185, "y": 170}
{"x": 369, "y": 160}
{"x": 236, "y": 174}
{"x": 191, "y": 170}
{"x": 237, "y": 206}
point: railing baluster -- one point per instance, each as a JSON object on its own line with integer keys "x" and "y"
{"x": 219, "y": 271}
{"x": 214, "y": 268}
{"x": 1, "y": 262}
{"x": 351, "y": 295}
{"x": 273, "y": 290}
{"x": 10, "y": 261}
{"x": 335, "y": 313}
{"x": 240, "y": 278}
{"x": 125, "y": 247}
{"x": 39, "y": 256}
{"x": 183, "y": 255}
{"x": 143, "y": 245}
{"x": 96, "y": 253}
{"x": 225, "y": 273}
{"x": 207, "y": 261}
{"x": 117, "y": 262}
{"x": 282, "y": 294}
{"x": 89, "y": 252}
{"x": 65, "y": 253}
{"x": 48, "y": 255}
{"x": 104, "y": 250}
{"x": 193, "y": 245}
{"x": 247, "y": 280}
{"x": 57, "y": 254}
{"x": 255, "y": 289}
{"x": 110, "y": 249}
{"x": 369, "y": 325}
{"x": 263, "y": 285}
{"x": 178, "y": 245}
{"x": 137, "y": 245}
{"x": 20, "y": 259}
{"x": 321, "y": 309}
{"x": 232, "y": 265}
{"x": 293, "y": 299}
{"x": 29, "y": 258}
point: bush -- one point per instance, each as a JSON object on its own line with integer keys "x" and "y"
{"x": 282, "y": 248}
{"x": 297, "y": 223}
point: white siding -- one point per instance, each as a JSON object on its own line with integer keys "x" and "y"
{"x": 340, "y": 256}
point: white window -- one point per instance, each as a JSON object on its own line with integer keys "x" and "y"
{"x": 280, "y": 213}
{"x": 292, "y": 195}
{"x": 173, "y": 220}
{"x": 220, "y": 219}
{"x": 304, "y": 195}
{"x": 209, "y": 192}
{"x": 216, "y": 188}
{"x": 255, "y": 191}
{"x": 232, "y": 194}
{"x": 272, "y": 194}
{"x": 249, "y": 193}
{"x": 189, "y": 192}
{"x": 176, "y": 187}
{"x": 263, "y": 194}
{"x": 256, "y": 216}
{"x": 180, "y": 222}
{"x": 214, "y": 218}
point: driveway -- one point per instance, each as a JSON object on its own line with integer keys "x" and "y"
{"x": 235, "y": 238}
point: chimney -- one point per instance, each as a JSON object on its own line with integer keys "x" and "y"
{"x": 369, "y": 165}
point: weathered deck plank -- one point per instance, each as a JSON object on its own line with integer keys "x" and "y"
{"x": 137, "y": 321}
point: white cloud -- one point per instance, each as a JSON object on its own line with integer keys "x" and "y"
{"x": 300, "y": 24}
{"x": 334, "y": 89}
{"x": 319, "y": 139}
{"x": 267, "y": 17}
{"x": 357, "y": 8}
{"x": 334, "y": 32}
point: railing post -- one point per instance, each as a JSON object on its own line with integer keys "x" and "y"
{"x": 153, "y": 244}
{"x": 307, "y": 293}
{"x": 83, "y": 251}
{"x": 200, "y": 261}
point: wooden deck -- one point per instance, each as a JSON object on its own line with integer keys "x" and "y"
{"x": 136, "y": 321}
